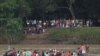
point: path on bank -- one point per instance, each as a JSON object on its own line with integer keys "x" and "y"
{"x": 92, "y": 48}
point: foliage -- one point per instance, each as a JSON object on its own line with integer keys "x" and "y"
{"x": 39, "y": 8}
{"x": 11, "y": 27}
{"x": 12, "y": 32}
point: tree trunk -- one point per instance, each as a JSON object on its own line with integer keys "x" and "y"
{"x": 71, "y": 2}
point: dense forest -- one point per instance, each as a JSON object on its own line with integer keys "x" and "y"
{"x": 45, "y": 9}
{"x": 13, "y": 13}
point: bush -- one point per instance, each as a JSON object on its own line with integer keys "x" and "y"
{"x": 13, "y": 31}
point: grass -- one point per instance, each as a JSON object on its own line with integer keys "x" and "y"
{"x": 10, "y": 36}
{"x": 87, "y": 35}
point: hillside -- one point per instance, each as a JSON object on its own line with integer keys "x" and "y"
{"x": 36, "y": 38}
{"x": 89, "y": 35}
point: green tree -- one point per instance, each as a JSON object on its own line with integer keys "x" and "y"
{"x": 12, "y": 25}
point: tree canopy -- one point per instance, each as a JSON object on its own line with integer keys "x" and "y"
{"x": 40, "y": 8}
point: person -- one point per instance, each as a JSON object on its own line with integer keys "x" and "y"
{"x": 28, "y": 53}
{"x": 55, "y": 52}
{"x": 87, "y": 23}
{"x": 83, "y": 49}
{"x": 51, "y": 52}
{"x": 13, "y": 52}
{"x": 24, "y": 52}
{"x": 74, "y": 53}
{"x": 42, "y": 53}
{"x": 18, "y": 53}
{"x": 80, "y": 53}
{"x": 7, "y": 53}
{"x": 37, "y": 54}
{"x": 63, "y": 53}
{"x": 68, "y": 53}
{"x": 58, "y": 53}
{"x": 34, "y": 53}
{"x": 34, "y": 23}
{"x": 46, "y": 54}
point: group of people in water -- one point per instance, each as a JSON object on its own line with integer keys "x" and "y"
{"x": 82, "y": 51}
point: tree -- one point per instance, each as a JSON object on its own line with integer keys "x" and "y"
{"x": 11, "y": 27}
{"x": 40, "y": 7}
{"x": 71, "y": 3}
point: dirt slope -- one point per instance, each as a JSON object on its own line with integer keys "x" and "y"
{"x": 36, "y": 38}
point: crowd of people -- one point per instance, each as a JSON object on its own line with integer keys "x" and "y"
{"x": 39, "y": 26}
{"x": 82, "y": 51}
